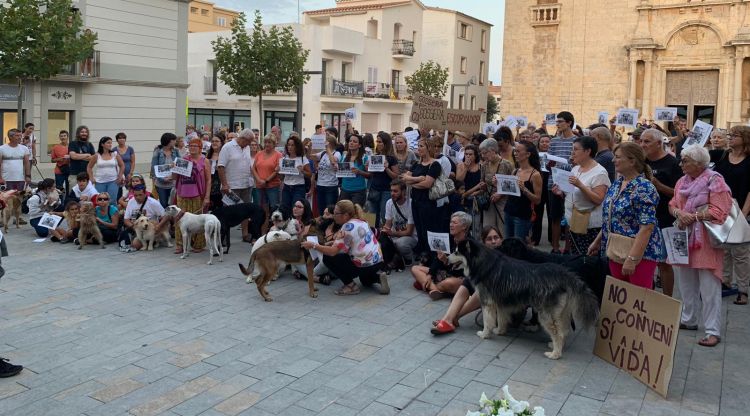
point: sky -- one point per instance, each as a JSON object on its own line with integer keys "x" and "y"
{"x": 285, "y": 11}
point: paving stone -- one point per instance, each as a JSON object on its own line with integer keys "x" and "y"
{"x": 399, "y": 396}
{"x": 237, "y": 403}
{"x": 116, "y": 390}
{"x": 379, "y": 409}
{"x": 438, "y": 394}
{"x": 578, "y": 405}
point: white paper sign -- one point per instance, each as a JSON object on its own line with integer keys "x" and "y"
{"x": 507, "y": 185}
{"x": 411, "y": 138}
{"x": 676, "y": 242}
{"x": 318, "y": 141}
{"x": 183, "y": 167}
{"x": 523, "y": 121}
{"x": 699, "y": 135}
{"x": 550, "y": 119}
{"x": 289, "y": 166}
{"x": 163, "y": 171}
{"x": 230, "y": 199}
{"x": 315, "y": 254}
{"x": 603, "y": 118}
{"x": 543, "y": 159}
{"x": 560, "y": 178}
{"x": 557, "y": 159}
{"x": 489, "y": 128}
{"x": 627, "y": 117}
{"x": 351, "y": 113}
{"x": 49, "y": 221}
{"x": 377, "y": 163}
{"x": 665, "y": 113}
{"x": 511, "y": 122}
{"x": 40, "y": 240}
{"x": 345, "y": 170}
{"x": 439, "y": 242}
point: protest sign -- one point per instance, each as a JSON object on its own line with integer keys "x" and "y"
{"x": 183, "y": 167}
{"x": 411, "y": 138}
{"x": 627, "y": 117}
{"x": 439, "y": 242}
{"x": 637, "y": 332}
{"x": 489, "y": 128}
{"x": 318, "y": 141}
{"x": 350, "y": 113}
{"x": 428, "y": 112}
{"x": 550, "y": 119}
{"x": 469, "y": 121}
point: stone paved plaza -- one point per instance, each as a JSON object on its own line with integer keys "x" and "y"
{"x": 108, "y": 333}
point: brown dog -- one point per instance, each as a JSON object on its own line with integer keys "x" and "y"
{"x": 13, "y": 208}
{"x": 267, "y": 259}
{"x": 88, "y": 226}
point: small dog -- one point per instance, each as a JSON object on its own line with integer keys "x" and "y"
{"x": 267, "y": 259}
{"x": 13, "y": 207}
{"x": 192, "y": 224}
{"x": 145, "y": 232}
{"x": 232, "y": 215}
{"x": 506, "y": 285}
{"x": 282, "y": 222}
{"x": 88, "y": 226}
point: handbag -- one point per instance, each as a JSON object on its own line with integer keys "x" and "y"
{"x": 441, "y": 188}
{"x": 618, "y": 245}
{"x": 483, "y": 199}
{"x": 579, "y": 221}
{"x": 733, "y": 232}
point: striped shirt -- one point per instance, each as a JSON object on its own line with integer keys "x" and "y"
{"x": 561, "y": 147}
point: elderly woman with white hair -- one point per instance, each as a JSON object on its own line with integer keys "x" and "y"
{"x": 438, "y": 279}
{"x": 493, "y": 164}
{"x": 701, "y": 195}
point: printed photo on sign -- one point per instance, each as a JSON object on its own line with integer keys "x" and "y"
{"x": 350, "y": 113}
{"x": 163, "y": 171}
{"x": 676, "y": 242}
{"x": 231, "y": 199}
{"x": 345, "y": 170}
{"x": 699, "y": 135}
{"x": 439, "y": 242}
{"x": 318, "y": 141}
{"x": 543, "y": 160}
{"x": 288, "y": 167}
{"x": 50, "y": 221}
{"x": 183, "y": 167}
{"x": 665, "y": 113}
{"x": 511, "y": 122}
{"x": 550, "y": 119}
{"x": 523, "y": 121}
{"x": 507, "y": 185}
{"x": 603, "y": 118}
{"x": 377, "y": 163}
{"x": 411, "y": 138}
{"x": 560, "y": 178}
{"x": 489, "y": 129}
{"x": 627, "y": 117}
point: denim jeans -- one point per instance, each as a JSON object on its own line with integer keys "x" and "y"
{"x": 61, "y": 181}
{"x": 110, "y": 188}
{"x": 516, "y": 227}
{"x": 269, "y": 197}
{"x": 376, "y": 201}
{"x": 291, "y": 194}
{"x": 40, "y": 231}
{"x": 327, "y": 195}
{"x": 164, "y": 194}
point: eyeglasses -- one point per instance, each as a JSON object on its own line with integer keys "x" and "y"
{"x": 102, "y": 199}
{"x": 734, "y": 135}
{"x": 299, "y": 206}
{"x": 560, "y": 121}
{"x": 338, "y": 213}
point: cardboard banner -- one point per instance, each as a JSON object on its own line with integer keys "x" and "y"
{"x": 467, "y": 121}
{"x": 428, "y": 112}
{"x": 637, "y": 332}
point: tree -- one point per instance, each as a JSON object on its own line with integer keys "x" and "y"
{"x": 38, "y": 39}
{"x": 430, "y": 79}
{"x": 263, "y": 62}
{"x": 492, "y": 107}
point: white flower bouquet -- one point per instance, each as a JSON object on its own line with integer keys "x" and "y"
{"x": 508, "y": 406}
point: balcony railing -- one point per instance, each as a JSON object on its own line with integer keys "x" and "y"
{"x": 547, "y": 14}
{"x": 338, "y": 88}
{"x": 209, "y": 85}
{"x": 402, "y": 47}
{"x": 385, "y": 91}
{"x": 87, "y": 68}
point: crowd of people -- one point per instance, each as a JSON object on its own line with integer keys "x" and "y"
{"x": 622, "y": 191}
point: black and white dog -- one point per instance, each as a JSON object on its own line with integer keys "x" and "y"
{"x": 232, "y": 215}
{"x": 506, "y": 285}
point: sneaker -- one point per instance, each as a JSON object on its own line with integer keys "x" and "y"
{"x": 7, "y": 369}
{"x": 384, "y": 288}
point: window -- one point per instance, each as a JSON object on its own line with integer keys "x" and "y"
{"x": 464, "y": 63}
{"x": 484, "y": 41}
{"x": 221, "y": 21}
{"x": 345, "y": 70}
{"x": 396, "y": 31}
{"x": 481, "y": 72}
{"x": 464, "y": 31}
{"x": 461, "y": 99}
{"x": 194, "y": 10}
{"x": 204, "y": 12}
{"x": 372, "y": 28}
{"x": 473, "y": 102}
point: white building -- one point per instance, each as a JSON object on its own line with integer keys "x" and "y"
{"x": 365, "y": 49}
{"x": 137, "y": 84}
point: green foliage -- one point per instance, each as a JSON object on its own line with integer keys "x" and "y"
{"x": 430, "y": 79}
{"x": 261, "y": 62}
{"x": 39, "y": 38}
{"x": 492, "y": 107}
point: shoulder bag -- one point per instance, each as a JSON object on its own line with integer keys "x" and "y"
{"x": 733, "y": 232}
{"x": 442, "y": 187}
{"x": 618, "y": 245}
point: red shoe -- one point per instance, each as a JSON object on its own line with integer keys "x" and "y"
{"x": 442, "y": 327}
{"x": 417, "y": 286}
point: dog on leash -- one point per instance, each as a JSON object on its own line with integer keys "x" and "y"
{"x": 145, "y": 232}
{"x": 232, "y": 215}
{"x": 13, "y": 202}
{"x": 88, "y": 227}
{"x": 507, "y": 285}
{"x": 267, "y": 258}
{"x": 190, "y": 224}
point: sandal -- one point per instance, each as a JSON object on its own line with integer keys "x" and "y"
{"x": 436, "y": 294}
{"x": 347, "y": 290}
{"x": 298, "y": 275}
{"x": 709, "y": 341}
{"x": 178, "y": 250}
{"x": 442, "y": 328}
{"x": 741, "y": 299}
{"x": 435, "y": 323}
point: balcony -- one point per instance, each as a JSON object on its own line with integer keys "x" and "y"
{"x": 209, "y": 85}
{"x": 87, "y": 68}
{"x": 385, "y": 91}
{"x": 338, "y": 88}
{"x": 545, "y": 15}
{"x": 402, "y": 49}
{"x": 340, "y": 40}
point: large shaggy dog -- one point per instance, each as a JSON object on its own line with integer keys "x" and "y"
{"x": 88, "y": 227}
{"x": 593, "y": 270}
{"x": 232, "y": 215}
{"x": 266, "y": 259}
{"x": 507, "y": 285}
{"x": 145, "y": 232}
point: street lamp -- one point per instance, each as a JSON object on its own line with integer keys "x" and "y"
{"x": 472, "y": 81}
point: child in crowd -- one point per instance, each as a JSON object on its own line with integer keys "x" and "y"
{"x": 84, "y": 189}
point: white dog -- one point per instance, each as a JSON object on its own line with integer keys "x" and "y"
{"x": 290, "y": 226}
{"x": 269, "y": 237}
{"x": 190, "y": 224}
{"x": 145, "y": 232}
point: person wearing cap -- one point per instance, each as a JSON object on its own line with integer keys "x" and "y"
{"x": 635, "y": 135}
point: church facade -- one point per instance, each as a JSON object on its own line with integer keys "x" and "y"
{"x": 589, "y": 56}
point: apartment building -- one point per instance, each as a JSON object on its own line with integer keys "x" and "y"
{"x": 136, "y": 81}
{"x": 207, "y": 17}
{"x": 364, "y": 50}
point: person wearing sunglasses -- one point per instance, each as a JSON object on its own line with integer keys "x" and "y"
{"x": 107, "y": 216}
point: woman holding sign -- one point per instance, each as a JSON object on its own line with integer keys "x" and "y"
{"x": 193, "y": 192}
{"x": 294, "y": 182}
{"x": 165, "y": 154}
{"x": 519, "y": 209}
{"x": 354, "y": 188}
{"x": 700, "y": 195}
{"x": 380, "y": 181}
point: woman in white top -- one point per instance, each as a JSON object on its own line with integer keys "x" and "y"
{"x": 294, "y": 185}
{"x": 327, "y": 185}
{"x": 583, "y": 206}
{"x": 110, "y": 169}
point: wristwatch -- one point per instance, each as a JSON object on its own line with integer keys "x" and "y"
{"x": 631, "y": 258}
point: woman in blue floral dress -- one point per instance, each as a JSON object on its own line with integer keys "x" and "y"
{"x": 630, "y": 210}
